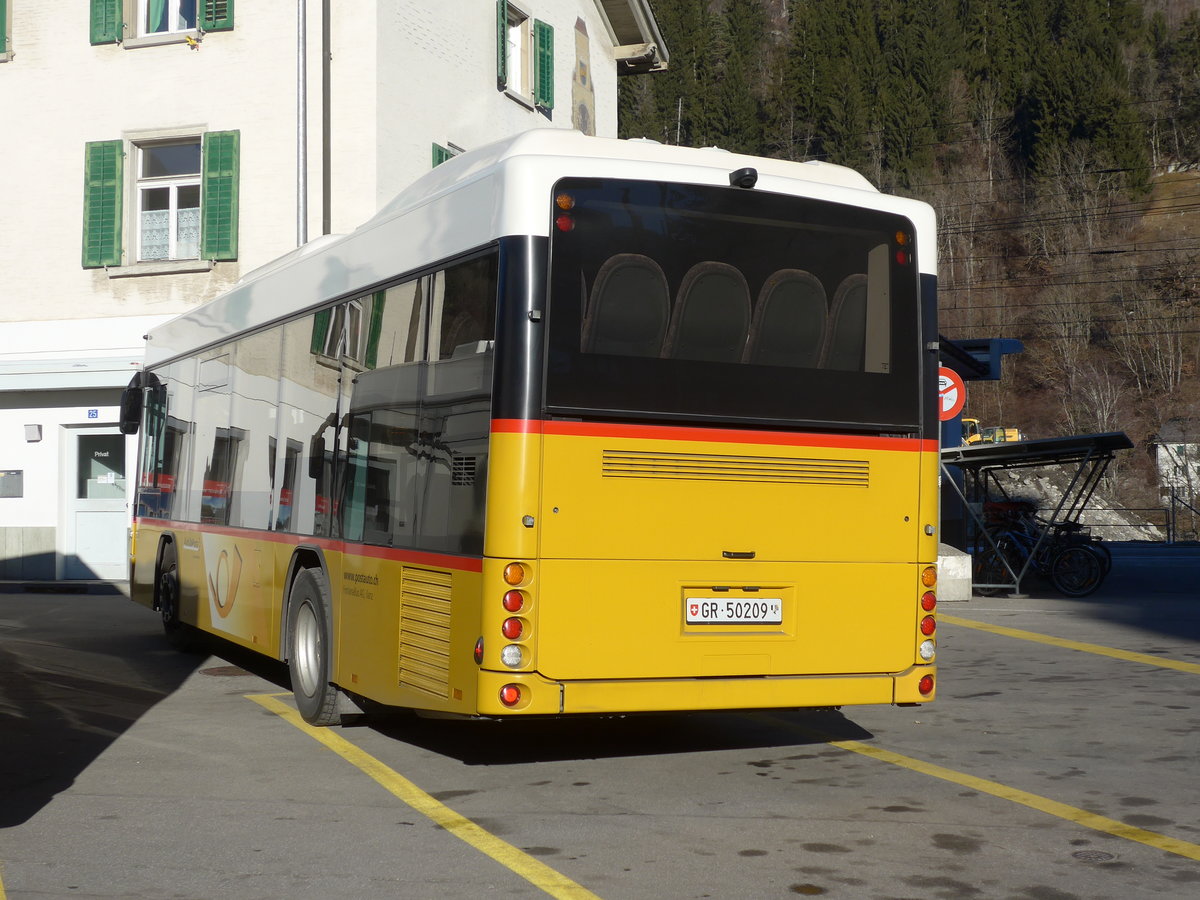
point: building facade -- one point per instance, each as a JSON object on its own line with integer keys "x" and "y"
{"x": 169, "y": 147}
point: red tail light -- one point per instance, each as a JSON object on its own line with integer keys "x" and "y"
{"x": 925, "y": 685}
{"x": 928, "y": 625}
{"x": 928, "y": 601}
{"x": 510, "y": 694}
{"x": 513, "y": 601}
{"x": 512, "y": 628}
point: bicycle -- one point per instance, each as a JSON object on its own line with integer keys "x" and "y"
{"x": 1017, "y": 541}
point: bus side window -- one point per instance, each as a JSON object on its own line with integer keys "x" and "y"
{"x": 711, "y": 316}
{"x": 455, "y": 410}
{"x": 789, "y": 321}
{"x": 629, "y": 307}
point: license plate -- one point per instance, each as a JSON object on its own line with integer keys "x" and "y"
{"x": 733, "y": 611}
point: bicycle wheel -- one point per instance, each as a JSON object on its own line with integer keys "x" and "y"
{"x": 990, "y": 569}
{"x": 1076, "y": 571}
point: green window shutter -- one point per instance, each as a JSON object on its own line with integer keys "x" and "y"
{"x": 441, "y": 154}
{"x": 3, "y": 26}
{"x": 320, "y": 330}
{"x": 106, "y": 21}
{"x": 501, "y": 44}
{"x": 103, "y": 188}
{"x": 216, "y": 15}
{"x": 543, "y": 43}
{"x": 219, "y": 196}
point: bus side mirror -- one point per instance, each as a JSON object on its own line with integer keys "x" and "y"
{"x": 131, "y": 406}
{"x": 316, "y": 458}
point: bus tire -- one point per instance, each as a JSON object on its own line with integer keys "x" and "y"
{"x": 309, "y": 649}
{"x": 180, "y": 635}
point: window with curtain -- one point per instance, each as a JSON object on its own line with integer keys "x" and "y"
{"x": 165, "y": 16}
{"x": 168, "y": 198}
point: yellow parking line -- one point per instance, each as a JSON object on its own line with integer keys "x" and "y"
{"x": 1099, "y": 649}
{"x": 1033, "y": 801}
{"x": 532, "y": 870}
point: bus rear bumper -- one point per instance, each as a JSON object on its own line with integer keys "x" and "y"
{"x": 543, "y": 697}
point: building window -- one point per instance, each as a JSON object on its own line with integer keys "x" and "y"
{"x": 168, "y": 200}
{"x": 165, "y": 16}
{"x": 162, "y": 21}
{"x": 524, "y": 56}
{"x": 184, "y": 193}
{"x": 5, "y": 36}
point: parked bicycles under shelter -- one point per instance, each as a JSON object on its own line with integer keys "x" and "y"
{"x": 1016, "y": 541}
{"x": 1011, "y": 538}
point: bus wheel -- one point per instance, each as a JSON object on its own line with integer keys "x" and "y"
{"x": 309, "y": 648}
{"x": 180, "y": 635}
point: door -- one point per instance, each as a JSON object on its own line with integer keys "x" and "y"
{"x": 96, "y": 520}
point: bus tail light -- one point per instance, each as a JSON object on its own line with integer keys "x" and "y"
{"x": 925, "y": 685}
{"x": 928, "y": 601}
{"x": 928, "y": 625}
{"x": 512, "y": 628}
{"x": 479, "y": 651}
{"x": 514, "y": 601}
{"x": 929, "y": 576}
{"x": 510, "y": 694}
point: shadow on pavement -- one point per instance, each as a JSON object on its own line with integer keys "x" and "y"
{"x": 76, "y": 671}
{"x": 514, "y": 742}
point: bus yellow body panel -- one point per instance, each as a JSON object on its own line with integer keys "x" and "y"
{"x": 638, "y": 498}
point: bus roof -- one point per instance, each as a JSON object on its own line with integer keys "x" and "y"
{"x": 476, "y": 198}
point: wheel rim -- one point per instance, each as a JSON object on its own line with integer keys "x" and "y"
{"x": 166, "y": 600}
{"x": 307, "y": 650}
{"x": 1077, "y": 570}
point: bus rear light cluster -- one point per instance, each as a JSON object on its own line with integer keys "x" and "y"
{"x": 515, "y": 628}
{"x": 925, "y": 685}
{"x": 510, "y": 695}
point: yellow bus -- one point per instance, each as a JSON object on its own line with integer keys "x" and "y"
{"x": 573, "y": 425}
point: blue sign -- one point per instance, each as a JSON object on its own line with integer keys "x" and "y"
{"x": 93, "y": 413}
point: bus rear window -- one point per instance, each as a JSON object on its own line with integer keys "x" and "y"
{"x": 683, "y": 301}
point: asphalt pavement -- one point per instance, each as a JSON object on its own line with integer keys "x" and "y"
{"x": 1058, "y": 762}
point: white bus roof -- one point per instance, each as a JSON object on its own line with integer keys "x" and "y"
{"x": 476, "y": 198}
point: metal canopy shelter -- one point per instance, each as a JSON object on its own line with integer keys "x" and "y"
{"x": 1090, "y": 454}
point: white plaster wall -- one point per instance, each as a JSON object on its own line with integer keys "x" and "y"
{"x": 68, "y": 92}
{"x": 437, "y": 80}
{"x": 40, "y": 461}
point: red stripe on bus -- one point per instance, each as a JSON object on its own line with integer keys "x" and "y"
{"x": 420, "y": 557}
{"x": 712, "y": 435}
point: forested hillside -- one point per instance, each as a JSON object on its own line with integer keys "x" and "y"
{"x": 1059, "y": 141}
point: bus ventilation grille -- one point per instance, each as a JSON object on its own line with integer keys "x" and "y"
{"x": 425, "y": 631}
{"x": 712, "y": 467}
